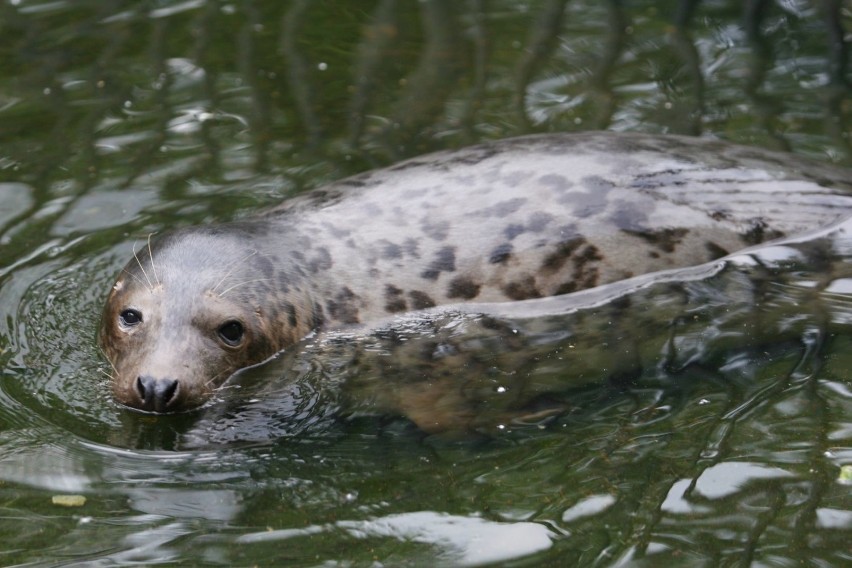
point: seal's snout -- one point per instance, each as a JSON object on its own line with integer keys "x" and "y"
{"x": 157, "y": 395}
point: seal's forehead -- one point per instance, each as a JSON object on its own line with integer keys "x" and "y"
{"x": 194, "y": 251}
{"x": 198, "y": 261}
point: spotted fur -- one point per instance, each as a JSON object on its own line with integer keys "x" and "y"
{"x": 511, "y": 220}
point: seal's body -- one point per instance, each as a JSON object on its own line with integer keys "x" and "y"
{"x": 511, "y": 220}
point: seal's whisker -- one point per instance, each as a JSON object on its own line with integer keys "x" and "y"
{"x": 151, "y": 255}
{"x": 238, "y": 284}
{"x": 142, "y": 268}
{"x": 104, "y": 373}
{"x": 232, "y": 266}
{"x": 214, "y": 379}
{"x": 114, "y": 370}
{"x": 133, "y": 276}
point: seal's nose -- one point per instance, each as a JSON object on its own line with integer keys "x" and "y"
{"x": 156, "y": 395}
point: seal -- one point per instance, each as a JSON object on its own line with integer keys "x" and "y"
{"x": 511, "y": 220}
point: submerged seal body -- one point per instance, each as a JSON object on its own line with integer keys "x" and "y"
{"x": 510, "y": 220}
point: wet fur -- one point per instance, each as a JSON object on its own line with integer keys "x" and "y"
{"x": 511, "y": 220}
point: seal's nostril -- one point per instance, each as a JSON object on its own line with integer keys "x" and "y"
{"x": 156, "y": 394}
{"x": 167, "y": 390}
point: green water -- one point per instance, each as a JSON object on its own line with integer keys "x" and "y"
{"x": 118, "y": 119}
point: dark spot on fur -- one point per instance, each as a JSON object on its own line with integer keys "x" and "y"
{"x": 501, "y": 209}
{"x": 500, "y": 254}
{"x": 556, "y": 260}
{"x": 565, "y": 288}
{"x": 719, "y": 215}
{"x": 390, "y": 251}
{"x": 760, "y": 232}
{"x": 327, "y": 195}
{"x": 522, "y": 289}
{"x": 473, "y": 155}
{"x": 371, "y": 209}
{"x": 412, "y": 194}
{"x": 591, "y": 202}
{"x": 290, "y": 310}
{"x": 463, "y": 287}
{"x": 665, "y": 178}
{"x": 420, "y": 300}
{"x": 304, "y": 243}
{"x": 436, "y": 231}
{"x": 265, "y": 266}
{"x": 538, "y": 221}
{"x": 344, "y": 306}
{"x": 410, "y": 247}
{"x": 513, "y": 179}
{"x": 317, "y": 317}
{"x": 445, "y": 261}
{"x": 335, "y": 232}
{"x": 664, "y": 239}
{"x": 320, "y": 261}
{"x": 631, "y": 217}
{"x": 283, "y": 281}
{"x": 395, "y": 301}
{"x": 557, "y": 182}
{"x": 585, "y": 267}
{"x": 513, "y": 230}
{"x": 715, "y": 250}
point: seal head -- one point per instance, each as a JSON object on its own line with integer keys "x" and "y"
{"x": 178, "y": 322}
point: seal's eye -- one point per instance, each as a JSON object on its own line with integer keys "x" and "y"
{"x": 231, "y": 332}
{"x": 129, "y": 318}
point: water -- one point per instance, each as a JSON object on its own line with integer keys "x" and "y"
{"x": 120, "y": 119}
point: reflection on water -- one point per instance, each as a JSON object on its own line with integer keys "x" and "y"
{"x": 463, "y": 541}
{"x": 705, "y": 421}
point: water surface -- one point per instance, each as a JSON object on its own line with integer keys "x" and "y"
{"x": 119, "y": 119}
